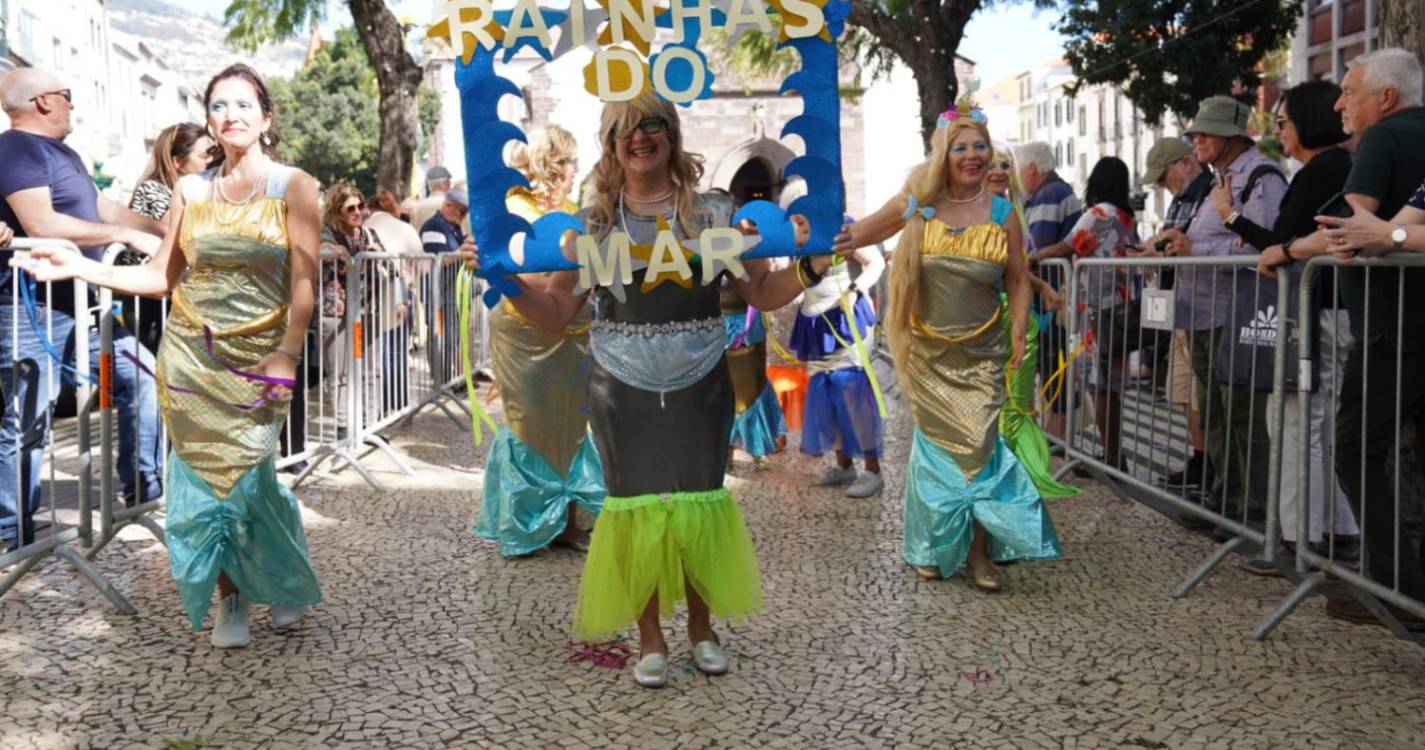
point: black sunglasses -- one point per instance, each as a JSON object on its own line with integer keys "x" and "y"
{"x": 66, "y": 93}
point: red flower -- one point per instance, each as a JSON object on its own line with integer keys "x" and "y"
{"x": 1084, "y": 243}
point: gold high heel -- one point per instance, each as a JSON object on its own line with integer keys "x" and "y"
{"x": 927, "y": 572}
{"x": 985, "y": 581}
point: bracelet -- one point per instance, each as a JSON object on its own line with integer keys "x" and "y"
{"x": 804, "y": 266}
{"x": 1232, "y": 218}
{"x": 1286, "y": 250}
{"x": 296, "y": 358}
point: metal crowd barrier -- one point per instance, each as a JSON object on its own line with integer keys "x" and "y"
{"x": 1370, "y": 403}
{"x": 1052, "y": 344}
{"x": 62, "y": 468}
{"x": 1135, "y": 437}
{"x": 375, "y": 369}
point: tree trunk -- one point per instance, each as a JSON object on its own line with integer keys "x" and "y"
{"x": 1402, "y": 24}
{"x": 926, "y": 39}
{"x": 398, "y": 79}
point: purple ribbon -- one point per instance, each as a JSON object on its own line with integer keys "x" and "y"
{"x": 288, "y": 383}
{"x": 746, "y": 325}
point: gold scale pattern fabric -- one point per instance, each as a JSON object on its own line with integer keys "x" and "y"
{"x": 957, "y": 388}
{"x": 237, "y": 283}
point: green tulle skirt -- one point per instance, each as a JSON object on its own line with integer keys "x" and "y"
{"x": 651, "y": 544}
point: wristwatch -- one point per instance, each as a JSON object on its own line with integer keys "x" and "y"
{"x": 1398, "y": 236}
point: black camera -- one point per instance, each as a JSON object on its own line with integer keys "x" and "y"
{"x": 1161, "y": 246}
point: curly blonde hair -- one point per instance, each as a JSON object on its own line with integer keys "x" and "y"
{"x": 550, "y": 150}
{"x": 929, "y": 183}
{"x": 619, "y": 119}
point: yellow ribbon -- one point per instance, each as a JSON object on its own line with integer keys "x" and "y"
{"x": 464, "y": 292}
{"x": 776, "y": 347}
{"x": 860, "y": 348}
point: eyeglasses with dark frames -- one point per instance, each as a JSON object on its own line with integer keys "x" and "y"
{"x": 66, "y": 93}
{"x": 648, "y": 126}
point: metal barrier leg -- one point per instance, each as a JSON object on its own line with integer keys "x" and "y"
{"x": 18, "y": 572}
{"x": 147, "y": 522}
{"x": 1205, "y": 570}
{"x": 95, "y": 579}
{"x": 380, "y": 444}
{"x": 1304, "y": 589}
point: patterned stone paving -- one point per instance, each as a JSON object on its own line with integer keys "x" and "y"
{"x": 429, "y": 639}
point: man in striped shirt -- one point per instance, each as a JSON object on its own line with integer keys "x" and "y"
{"x": 1051, "y": 211}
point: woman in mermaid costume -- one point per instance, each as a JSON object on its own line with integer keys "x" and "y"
{"x": 661, "y": 398}
{"x": 758, "y": 425}
{"x": 543, "y": 464}
{"x": 242, "y": 273}
{"x": 1017, "y": 424}
{"x": 968, "y": 502}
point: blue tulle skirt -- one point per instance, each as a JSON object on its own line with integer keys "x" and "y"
{"x": 255, "y": 536}
{"x": 814, "y": 336}
{"x": 840, "y": 414}
{"x": 757, "y": 429}
{"x": 941, "y": 508}
{"x": 526, "y": 503}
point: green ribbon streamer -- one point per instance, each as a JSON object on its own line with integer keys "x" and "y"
{"x": 464, "y": 295}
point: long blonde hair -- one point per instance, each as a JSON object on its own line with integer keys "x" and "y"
{"x": 1016, "y": 191}
{"x": 173, "y": 144}
{"x": 543, "y": 159}
{"x": 620, "y": 119}
{"x": 929, "y": 183}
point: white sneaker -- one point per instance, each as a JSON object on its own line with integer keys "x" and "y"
{"x": 230, "y": 625}
{"x": 286, "y": 615}
{"x": 836, "y": 476}
{"x": 865, "y": 485}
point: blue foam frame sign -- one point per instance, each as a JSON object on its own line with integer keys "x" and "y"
{"x": 490, "y": 178}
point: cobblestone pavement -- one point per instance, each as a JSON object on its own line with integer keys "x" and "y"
{"x": 429, "y": 639}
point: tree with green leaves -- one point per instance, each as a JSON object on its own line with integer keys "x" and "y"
{"x": 330, "y": 126}
{"x": 925, "y": 35}
{"x": 1170, "y": 54}
{"x": 382, "y": 35}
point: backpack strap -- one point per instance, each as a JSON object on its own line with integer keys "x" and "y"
{"x": 1257, "y": 173}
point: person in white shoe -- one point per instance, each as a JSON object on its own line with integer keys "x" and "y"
{"x": 661, "y": 399}
{"x": 240, "y": 260}
{"x": 840, "y": 412}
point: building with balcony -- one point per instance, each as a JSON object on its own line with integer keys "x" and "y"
{"x": 1330, "y": 34}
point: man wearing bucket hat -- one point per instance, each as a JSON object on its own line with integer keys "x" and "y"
{"x": 1170, "y": 164}
{"x": 1255, "y": 186}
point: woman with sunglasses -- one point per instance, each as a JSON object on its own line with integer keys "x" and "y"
{"x": 240, "y": 258}
{"x": 968, "y": 501}
{"x": 1017, "y": 424}
{"x": 660, "y": 396}
{"x": 543, "y": 464}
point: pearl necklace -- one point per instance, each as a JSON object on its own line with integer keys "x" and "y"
{"x": 971, "y": 199}
{"x": 623, "y": 210}
{"x": 257, "y": 183}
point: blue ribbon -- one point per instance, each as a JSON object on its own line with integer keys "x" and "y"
{"x": 913, "y": 207}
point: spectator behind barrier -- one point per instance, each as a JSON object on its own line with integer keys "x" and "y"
{"x": 1311, "y": 133}
{"x": 437, "y": 183}
{"x": 1050, "y": 212}
{"x": 1380, "y": 101}
{"x": 48, "y": 193}
{"x": 1172, "y": 166}
{"x": 177, "y": 151}
{"x": 1237, "y": 436}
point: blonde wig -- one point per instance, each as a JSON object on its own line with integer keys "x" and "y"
{"x": 928, "y": 183}
{"x": 619, "y": 119}
{"x": 1016, "y": 191}
{"x": 550, "y": 150}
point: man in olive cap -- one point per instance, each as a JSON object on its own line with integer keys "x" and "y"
{"x": 1255, "y": 186}
{"x": 1172, "y": 166}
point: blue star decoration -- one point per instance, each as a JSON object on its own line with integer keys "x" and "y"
{"x": 551, "y": 18}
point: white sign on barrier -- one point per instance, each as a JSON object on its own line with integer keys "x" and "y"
{"x": 1158, "y": 309}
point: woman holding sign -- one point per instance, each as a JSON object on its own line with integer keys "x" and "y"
{"x": 543, "y": 463}
{"x": 660, "y": 394}
{"x": 241, "y": 262}
{"x": 968, "y": 501}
